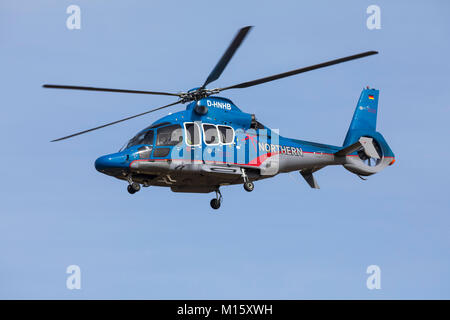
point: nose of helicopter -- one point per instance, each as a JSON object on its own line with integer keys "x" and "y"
{"x": 111, "y": 163}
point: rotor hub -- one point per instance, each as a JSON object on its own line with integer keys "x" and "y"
{"x": 197, "y": 94}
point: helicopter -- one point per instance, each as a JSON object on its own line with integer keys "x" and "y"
{"x": 213, "y": 143}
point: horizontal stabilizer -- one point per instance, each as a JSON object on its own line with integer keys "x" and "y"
{"x": 366, "y": 143}
{"x": 308, "y": 175}
{"x": 349, "y": 149}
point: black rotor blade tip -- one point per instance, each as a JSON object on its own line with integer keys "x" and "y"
{"x": 228, "y": 54}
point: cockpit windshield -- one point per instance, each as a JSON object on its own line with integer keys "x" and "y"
{"x": 145, "y": 137}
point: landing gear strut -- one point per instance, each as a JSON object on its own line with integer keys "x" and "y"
{"x": 216, "y": 202}
{"x": 248, "y": 185}
{"x": 132, "y": 187}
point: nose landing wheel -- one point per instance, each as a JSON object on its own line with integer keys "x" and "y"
{"x": 133, "y": 188}
{"x": 217, "y": 201}
{"x": 249, "y": 186}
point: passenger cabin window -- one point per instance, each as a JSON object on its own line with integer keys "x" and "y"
{"x": 169, "y": 136}
{"x": 192, "y": 133}
{"x": 211, "y": 135}
{"x": 226, "y": 134}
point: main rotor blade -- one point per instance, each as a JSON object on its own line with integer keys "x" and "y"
{"x": 55, "y": 86}
{"x": 234, "y": 45}
{"x": 111, "y": 123}
{"x": 297, "y": 71}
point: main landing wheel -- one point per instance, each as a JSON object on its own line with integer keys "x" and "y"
{"x": 133, "y": 188}
{"x": 215, "y": 203}
{"x": 249, "y": 186}
{"x": 130, "y": 189}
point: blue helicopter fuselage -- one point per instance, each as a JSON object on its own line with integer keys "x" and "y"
{"x": 251, "y": 143}
{"x": 213, "y": 143}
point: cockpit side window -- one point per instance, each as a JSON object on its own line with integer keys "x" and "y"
{"x": 148, "y": 138}
{"x": 169, "y": 136}
{"x": 226, "y": 134}
{"x": 192, "y": 133}
{"x": 210, "y": 134}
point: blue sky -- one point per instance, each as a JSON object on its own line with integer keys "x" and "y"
{"x": 283, "y": 240}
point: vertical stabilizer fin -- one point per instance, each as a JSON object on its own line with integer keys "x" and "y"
{"x": 365, "y": 115}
